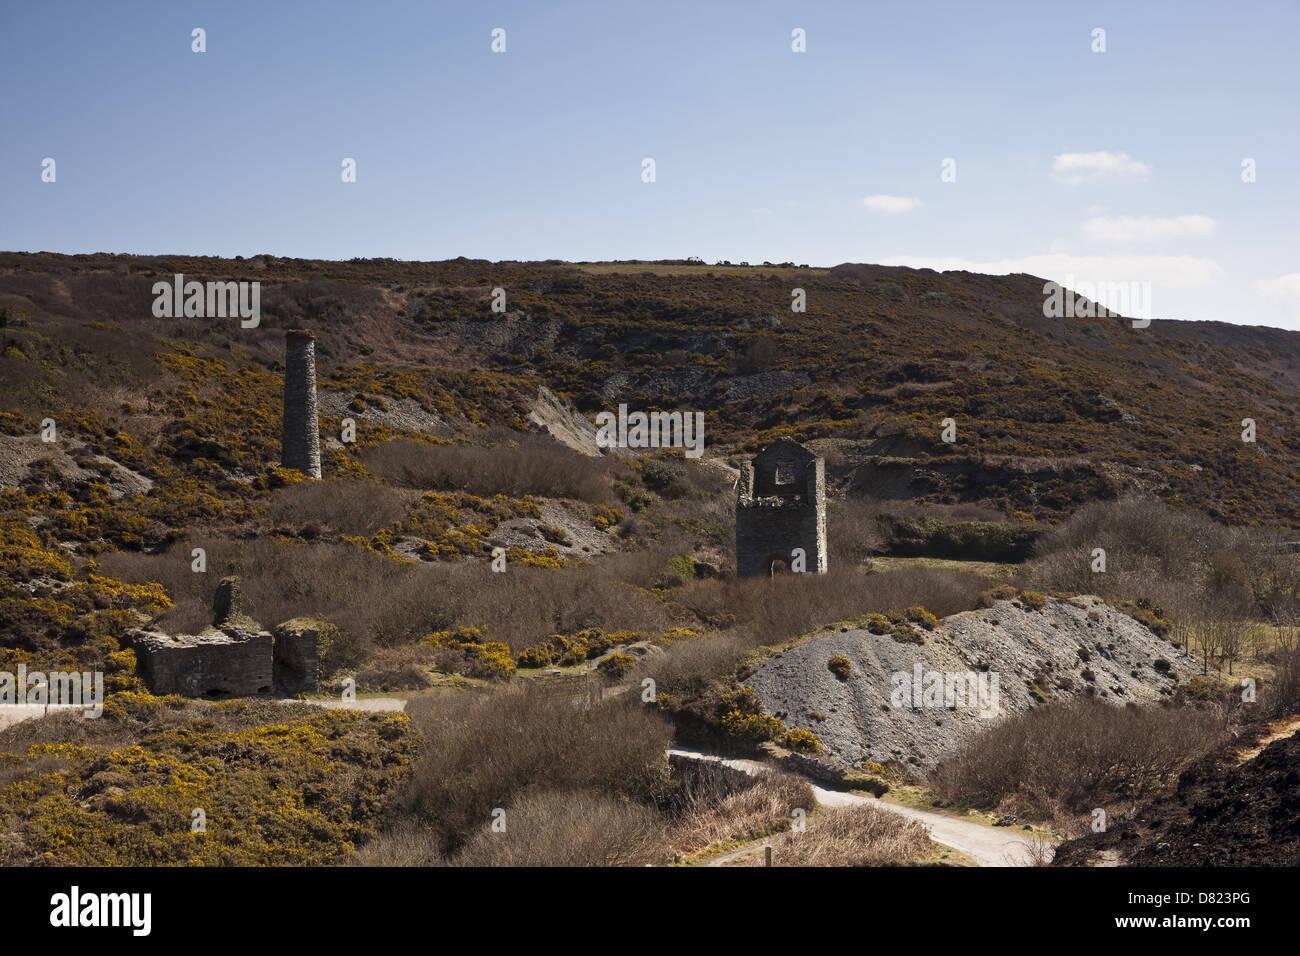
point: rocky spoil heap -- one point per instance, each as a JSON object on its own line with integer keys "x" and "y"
{"x": 1066, "y": 648}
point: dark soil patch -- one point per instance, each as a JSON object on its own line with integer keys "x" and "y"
{"x": 1217, "y": 815}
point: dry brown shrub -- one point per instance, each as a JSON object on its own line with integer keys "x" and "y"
{"x": 374, "y": 600}
{"x": 380, "y": 601}
{"x": 773, "y": 610}
{"x": 860, "y": 835}
{"x": 533, "y": 465}
{"x": 396, "y": 668}
{"x": 405, "y": 843}
{"x": 770, "y": 611}
{"x": 1075, "y": 755}
{"x": 1281, "y": 695}
{"x": 714, "y": 805}
{"x": 689, "y": 668}
{"x": 852, "y": 530}
{"x": 569, "y": 828}
{"x": 483, "y": 751}
{"x": 529, "y": 604}
{"x": 350, "y": 507}
{"x": 1152, "y": 550}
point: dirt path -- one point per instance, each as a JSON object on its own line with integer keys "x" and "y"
{"x": 985, "y": 845}
{"x": 726, "y": 859}
{"x": 11, "y": 714}
{"x": 1276, "y": 731}
{"x": 374, "y": 705}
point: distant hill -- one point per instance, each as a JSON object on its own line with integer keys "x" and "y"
{"x": 1050, "y": 413}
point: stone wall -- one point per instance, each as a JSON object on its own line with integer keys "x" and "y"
{"x": 780, "y": 506}
{"x": 234, "y": 657}
{"x": 234, "y": 661}
{"x": 300, "y": 644}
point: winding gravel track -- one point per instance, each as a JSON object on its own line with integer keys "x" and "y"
{"x": 985, "y": 845}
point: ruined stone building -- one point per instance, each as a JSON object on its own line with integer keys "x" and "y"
{"x": 300, "y": 443}
{"x": 235, "y": 657}
{"x": 780, "y": 507}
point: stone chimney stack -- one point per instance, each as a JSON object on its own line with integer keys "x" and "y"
{"x": 300, "y": 446}
{"x": 228, "y": 605}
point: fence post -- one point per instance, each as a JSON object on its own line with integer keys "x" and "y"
{"x": 767, "y": 855}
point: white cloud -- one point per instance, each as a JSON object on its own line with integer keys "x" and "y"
{"x": 1146, "y": 228}
{"x": 893, "y": 205}
{"x": 1283, "y": 291}
{"x": 1075, "y": 168}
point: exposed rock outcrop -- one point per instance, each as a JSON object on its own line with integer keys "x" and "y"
{"x": 71, "y": 459}
{"x": 563, "y": 422}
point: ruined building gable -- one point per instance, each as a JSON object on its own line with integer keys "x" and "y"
{"x": 781, "y": 507}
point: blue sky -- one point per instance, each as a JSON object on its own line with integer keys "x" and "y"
{"x": 1115, "y": 166}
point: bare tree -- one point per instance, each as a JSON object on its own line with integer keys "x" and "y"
{"x": 1204, "y": 637}
{"x": 1285, "y": 618}
{"x": 1232, "y": 638}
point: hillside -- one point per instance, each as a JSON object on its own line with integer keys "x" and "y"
{"x": 1050, "y": 412}
{"x": 140, "y": 465}
{"x": 1220, "y": 813}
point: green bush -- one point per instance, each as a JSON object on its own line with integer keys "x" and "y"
{"x": 617, "y": 665}
{"x": 919, "y": 615}
{"x": 635, "y": 498}
{"x": 539, "y": 655}
{"x": 755, "y": 727}
{"x": 879, "y": 624}
{"x": 660, "y": 475}
{"x": 553, "y": 534}
{"x": 680, "y": 570}
{"x": 282, "y": 785}
{"x": 741, "y": 701}
{"x": 865, "y": 781}
{"x": 1202, "y": 688}
{"x": 801, "y": 741}
{"x": 1033, "y": 600}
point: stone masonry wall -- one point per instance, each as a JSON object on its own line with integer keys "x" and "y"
{"x": 234, "y": 661}
{"x": 299, "y": 646}
{"x": 780, "y": 506}
{"x": 234, "y": 657}
{"x": 300, "y": 446}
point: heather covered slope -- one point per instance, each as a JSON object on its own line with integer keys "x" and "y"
{"x": 1050, "y": 412}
